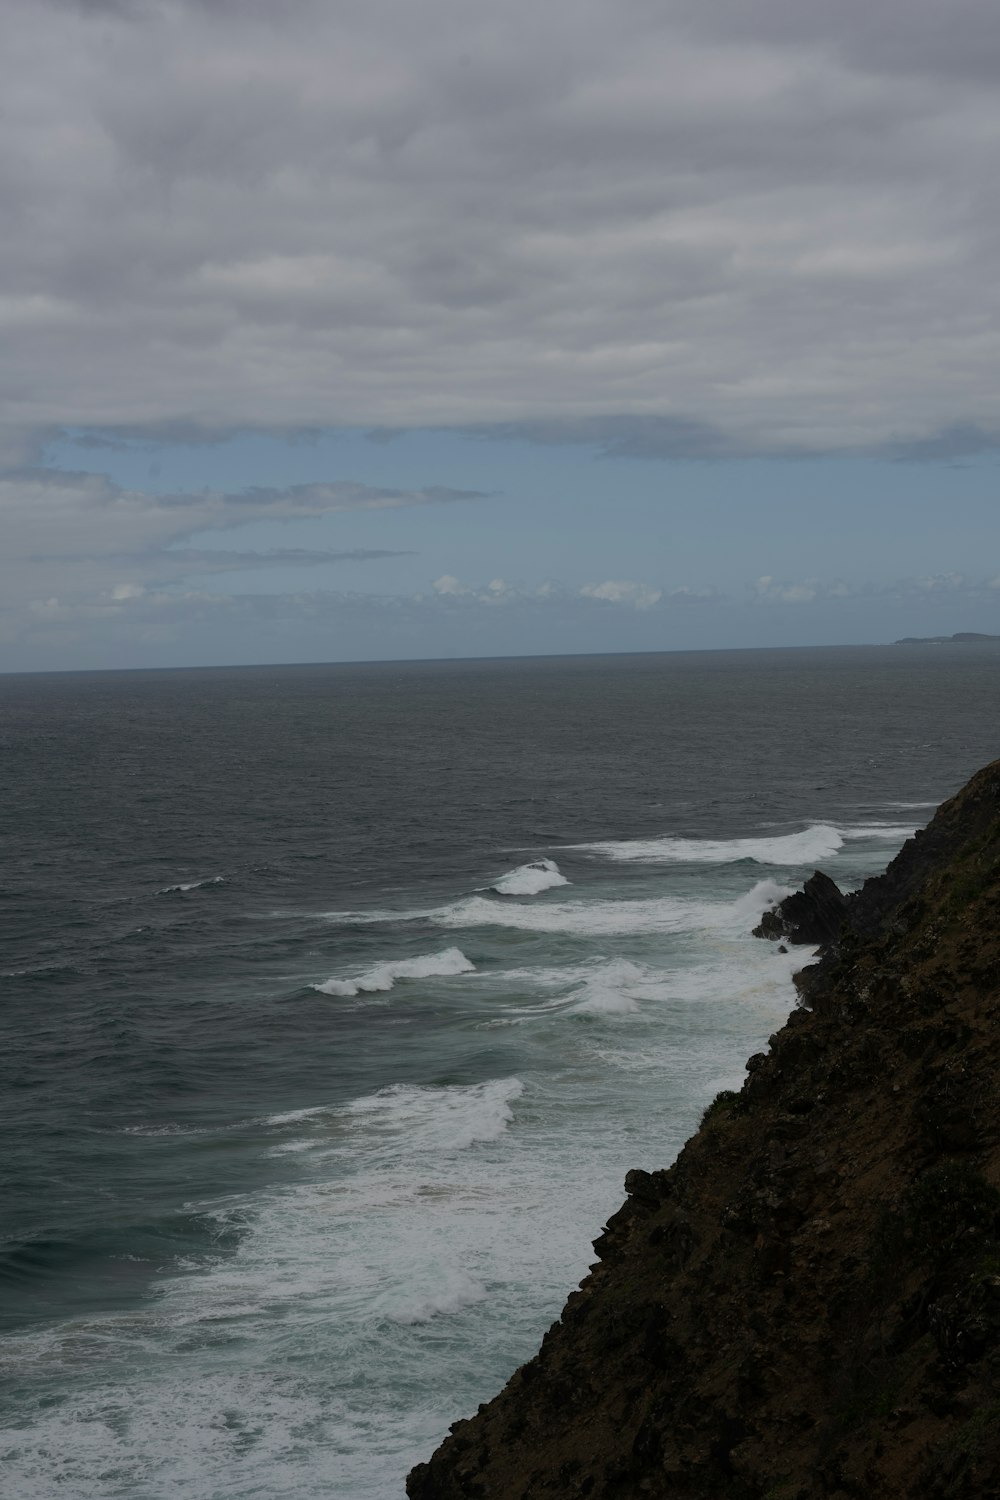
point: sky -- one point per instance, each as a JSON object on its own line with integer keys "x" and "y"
{"x": 426, "y": 328}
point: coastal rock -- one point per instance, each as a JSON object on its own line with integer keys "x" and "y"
{"x": 811, "y": 916}
{"x": 806, "y": 1305}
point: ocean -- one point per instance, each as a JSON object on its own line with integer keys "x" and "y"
{"x": 336, "y": 1002}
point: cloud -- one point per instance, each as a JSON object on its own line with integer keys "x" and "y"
{"x": 131, "y": 620}
{"x": 189, "y": 560}
{"x": 623, "y": 591}
{"x": 499, "y": 591}
{"x": 953, "y": 587}
{"x": 448, "y": 586}
{"x": 107, "y": 535}
{"x": 92, "y": 516}
{"x": 687, "y": 230}
{"x": 768, "y": 590}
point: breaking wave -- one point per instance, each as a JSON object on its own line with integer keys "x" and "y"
{"x": 603, "y": 918}
{"x": 446, "y": 1118}
{"x": 818, "y": 842}
{"x": 417, "y": 1305}
{"x": 528, "y": 880}
{"x": 384, "y": 976}
{"x": 192, "y": 885}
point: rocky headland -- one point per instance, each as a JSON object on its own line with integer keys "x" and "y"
{"x": 807, "y": 1303}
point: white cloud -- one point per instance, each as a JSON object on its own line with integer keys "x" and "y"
{"x": 623, "y": 591}
{"x": 768, "y": 590}
{"x": 449, "y": 587}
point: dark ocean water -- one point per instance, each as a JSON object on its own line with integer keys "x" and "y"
{"x": 263, "y": 1238}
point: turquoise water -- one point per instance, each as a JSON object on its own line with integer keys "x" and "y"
{"x": 337, "y": 1001}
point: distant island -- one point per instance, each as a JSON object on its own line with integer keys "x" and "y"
{"x": 945, "y": 640}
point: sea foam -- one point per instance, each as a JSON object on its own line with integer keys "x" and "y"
{"x": 384, "y": 976}
{"x": 530, "y": 879}
{"x": 610, "y": 991}
{"x": 452, "y": 1290}
{"x": 818, "y": 842}
{"x": 602, "y": 918}
{"x": 192, "y": 885}
{"x": 815, "y": 843}
{"x": 446, "y": 1118}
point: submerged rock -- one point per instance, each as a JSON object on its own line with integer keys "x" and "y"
{"x": 807, "y": 1304}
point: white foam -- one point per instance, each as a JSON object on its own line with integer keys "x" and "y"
{"x": 192, "y": 885}
{"x": 530, "y": 879}
{"x": 294, "y": 1116}
{"x": 906, "y": 805}
{"x": 815, "y": 843}
{"x": 454, "y": 1289}
{"x": 447, "y": 1118}
{"x": 384, "y": 976}
{"x": 658, "y": 914}
{"x": 610, "y": 991}
{"x": 887, "y": 832}
{"x": 819, "y": 842}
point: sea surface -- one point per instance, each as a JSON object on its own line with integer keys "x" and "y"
{"x": 336, "y": 1002}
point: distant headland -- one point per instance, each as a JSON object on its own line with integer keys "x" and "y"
{"x": 945, "y": 640}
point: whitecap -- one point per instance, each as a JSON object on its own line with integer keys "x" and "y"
{"x": 905, "y": 805}
{"x": 530, "y": 879}
{"x": 889, "y": 832}
{"x": 610, "y": 991}
{"x": 815, "y": 843}
{"x": 384, "y": 976}
{"x": 821, "y": 841}
{"x": 293, "y": 1116}
{"x": 455, "y": 1290}
{"x": 449, "y": 1117}
{"x": 599, "y": 918}
{"x": 192, "y": 885}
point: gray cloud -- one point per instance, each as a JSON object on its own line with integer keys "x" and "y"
{"x": 953, "y": 587}
{"x": 75, "y": 537}
{"x": 612, "y": 436}
{"x": 685, "y": 229}
{"x": 190, "y": 559}
{"x": 92, "y": 516}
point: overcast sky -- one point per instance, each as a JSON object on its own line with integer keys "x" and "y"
{"x": 393, "y": 328}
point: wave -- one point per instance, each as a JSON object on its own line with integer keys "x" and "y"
{"x": 604, "y": 918}
{"x": 610, "y": 991}
{"x": 192, "y": 885}
{"x": 528, "y": 880}
{"x": 294, "y": 1116}
{"x": 906, "y": 805}
{"x": 891, "y": 832}
{"x": 449, "y": 1117}
{"x": 457, "y": 1290}
{"x": 818, "y": 842}
{"x": 384, "y": 976}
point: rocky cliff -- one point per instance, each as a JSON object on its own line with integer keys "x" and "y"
{"x": 808, "y": 1302}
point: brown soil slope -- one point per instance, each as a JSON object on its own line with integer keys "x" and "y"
{"x": 808, "y": 1302}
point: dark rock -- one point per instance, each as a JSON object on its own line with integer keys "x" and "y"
{"x": 813, "y": 915}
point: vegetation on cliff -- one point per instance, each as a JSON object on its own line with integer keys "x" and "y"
{"x": 807, "y": 1303}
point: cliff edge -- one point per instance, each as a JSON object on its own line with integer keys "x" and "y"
{"x": 808, "y": 1302}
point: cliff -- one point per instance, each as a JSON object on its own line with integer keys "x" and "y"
{"x": 808, "y": 1302}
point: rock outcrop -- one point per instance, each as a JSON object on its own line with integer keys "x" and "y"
{"x": 807, "y": 1304}
{"x": 813, "y": 915}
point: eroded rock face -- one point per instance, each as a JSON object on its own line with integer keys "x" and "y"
{"x": 807, "y": 1304}
{"x": 813, "y": 915}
